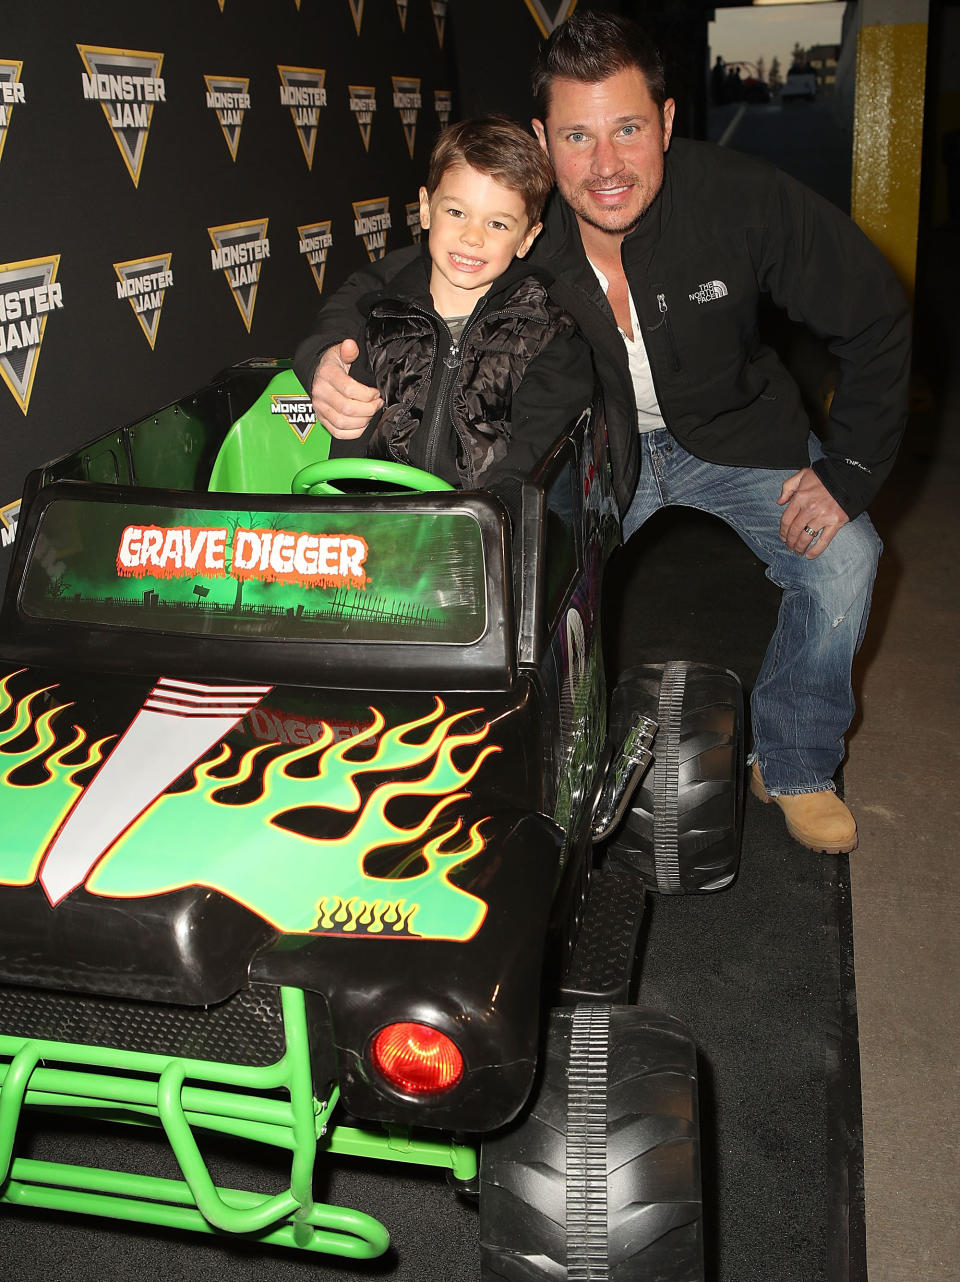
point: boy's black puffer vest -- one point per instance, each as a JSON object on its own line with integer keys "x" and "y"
{"x": 447, "y": 406}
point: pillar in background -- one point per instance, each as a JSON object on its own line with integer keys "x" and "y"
{"x": 888, "y": 128}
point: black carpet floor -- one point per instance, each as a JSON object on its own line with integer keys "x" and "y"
{"x": 762, "y": 973}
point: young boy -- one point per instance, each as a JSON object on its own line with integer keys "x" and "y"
{"x": 477, "y": 370}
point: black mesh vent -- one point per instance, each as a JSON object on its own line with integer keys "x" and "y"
{"x": 245, "y": 1029}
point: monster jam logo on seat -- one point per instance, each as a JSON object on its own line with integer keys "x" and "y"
{"x": 371, "y": 220}
{"x": 315, "y": 240}
{"x": 229, "y": 97}
{"x": 239, "y": 249}
{"x": 127, "y": 84}
{"x": 11, "y": 92}
{"x": 301, "y": 89}
{"x": 144, "y": 282}
{"x": 297, "y": 410}
{"x": 28, "y": 293}
{"x": 407, "y": 100}
{"x": 363, "y": 103}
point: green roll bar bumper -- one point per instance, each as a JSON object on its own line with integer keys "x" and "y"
{"x": 274, "y": 1105}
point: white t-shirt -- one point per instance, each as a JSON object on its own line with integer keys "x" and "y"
{"x": 648, "y": 410}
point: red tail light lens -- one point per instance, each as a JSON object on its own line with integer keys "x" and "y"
{"x": 416, "y": 1059}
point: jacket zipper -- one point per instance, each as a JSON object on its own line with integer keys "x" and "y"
{"x": 665, "y": 313}
{"x": 451, "y": 367}
{"x": 451, "y": 364}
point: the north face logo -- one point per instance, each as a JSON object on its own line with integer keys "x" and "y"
{"x": 709, "y": 291}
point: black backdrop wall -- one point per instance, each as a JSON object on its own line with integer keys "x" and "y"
{"x": 179, "y": 181}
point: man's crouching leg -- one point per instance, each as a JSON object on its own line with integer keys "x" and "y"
{"x": 802, "y": 703}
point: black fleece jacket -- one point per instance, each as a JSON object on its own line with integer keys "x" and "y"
{"x": 724, "y": 230}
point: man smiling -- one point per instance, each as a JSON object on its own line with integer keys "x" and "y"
{"x": 661, "y": 249}
{"x": 609, "y": 141}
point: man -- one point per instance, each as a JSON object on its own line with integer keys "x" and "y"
{"x": 661, "y": 251}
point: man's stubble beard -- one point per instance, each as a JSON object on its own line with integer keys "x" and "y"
{"x": 623, "y": 230}
{"x": 577, "y": 201}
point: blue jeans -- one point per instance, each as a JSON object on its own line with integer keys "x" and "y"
{"x": 802, "y": 702}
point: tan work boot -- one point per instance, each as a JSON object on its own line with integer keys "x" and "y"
{"x": 818, "y": 820}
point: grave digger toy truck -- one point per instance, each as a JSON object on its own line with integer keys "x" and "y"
{"x": 321, "y": 830}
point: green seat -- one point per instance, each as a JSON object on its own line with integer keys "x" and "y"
{"x": 276, "y": 438}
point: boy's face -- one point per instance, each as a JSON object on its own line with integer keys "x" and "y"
{"x": 476, "y": 228}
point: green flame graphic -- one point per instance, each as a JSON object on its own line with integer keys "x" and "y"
{"x": 296, "y": 882}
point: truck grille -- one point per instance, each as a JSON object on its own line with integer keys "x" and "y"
{"x": 245, "y": 1029}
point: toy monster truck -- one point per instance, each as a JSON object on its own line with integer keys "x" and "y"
{"x": 303, "y": 807}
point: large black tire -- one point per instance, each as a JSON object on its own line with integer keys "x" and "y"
{"x": 600, "y": 1180}
{"x": 683, "y": 830}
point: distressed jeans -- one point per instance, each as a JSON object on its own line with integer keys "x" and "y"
{"x": 802, "y": 702}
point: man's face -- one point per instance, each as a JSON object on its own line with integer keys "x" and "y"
{"x": 606, "y": 143}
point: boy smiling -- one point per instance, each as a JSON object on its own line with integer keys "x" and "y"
{"x": 477, "y": 226}
{"x": 473, "y": 370}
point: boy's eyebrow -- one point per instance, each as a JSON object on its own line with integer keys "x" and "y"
{"x": 493, "y": 213}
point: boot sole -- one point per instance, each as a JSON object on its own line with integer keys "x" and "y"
{"x": 819, "y": 847}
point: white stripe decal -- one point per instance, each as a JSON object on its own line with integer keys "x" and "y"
{"x": 221, "y": 709}
{"x": 161, "y": 743}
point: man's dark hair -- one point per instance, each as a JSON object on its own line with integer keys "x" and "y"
{"x": 498, "y": 147}
{"x": 592, "y": 46}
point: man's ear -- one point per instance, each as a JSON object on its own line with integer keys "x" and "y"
{"x": 669, "y": 107}
{"x": 424, "y": 209}
{"x": 524, "y": 247}
{"x": 541, "y": 134}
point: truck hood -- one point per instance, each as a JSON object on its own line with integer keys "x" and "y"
{"x": 155, "y": 834}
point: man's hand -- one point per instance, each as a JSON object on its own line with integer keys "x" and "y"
{"x": 811, "y": 515}
{"x": 341, "y": 404}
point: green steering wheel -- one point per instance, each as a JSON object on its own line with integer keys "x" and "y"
{"x": 318, "y": 478}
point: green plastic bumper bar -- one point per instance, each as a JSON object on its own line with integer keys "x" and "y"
{"x": 182, "y": 1095}
{"x": 289, "y": 1218}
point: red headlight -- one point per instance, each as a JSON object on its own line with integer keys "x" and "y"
{"x": 416, "y": 1059}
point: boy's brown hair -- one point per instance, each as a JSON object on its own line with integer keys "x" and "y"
{"x": 497, "y": 146}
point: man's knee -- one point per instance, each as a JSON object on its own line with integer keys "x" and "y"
{"x": 855, "y": 550}
{"x": 842, "y": 576}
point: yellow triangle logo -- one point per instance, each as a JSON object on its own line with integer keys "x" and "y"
{"x": 28, "y": 294}
{"x": 128, "y": 85}
{"x": 144, "y": 282}
{"x": 238, "y": 251}
{"x": 301, "y": 89}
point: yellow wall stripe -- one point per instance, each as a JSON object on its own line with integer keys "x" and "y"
{"x": 887, "y": 140}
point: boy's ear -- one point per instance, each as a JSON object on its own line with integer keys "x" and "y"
{"x": 424, "y": 209}
{"x": 524, "y": 247}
